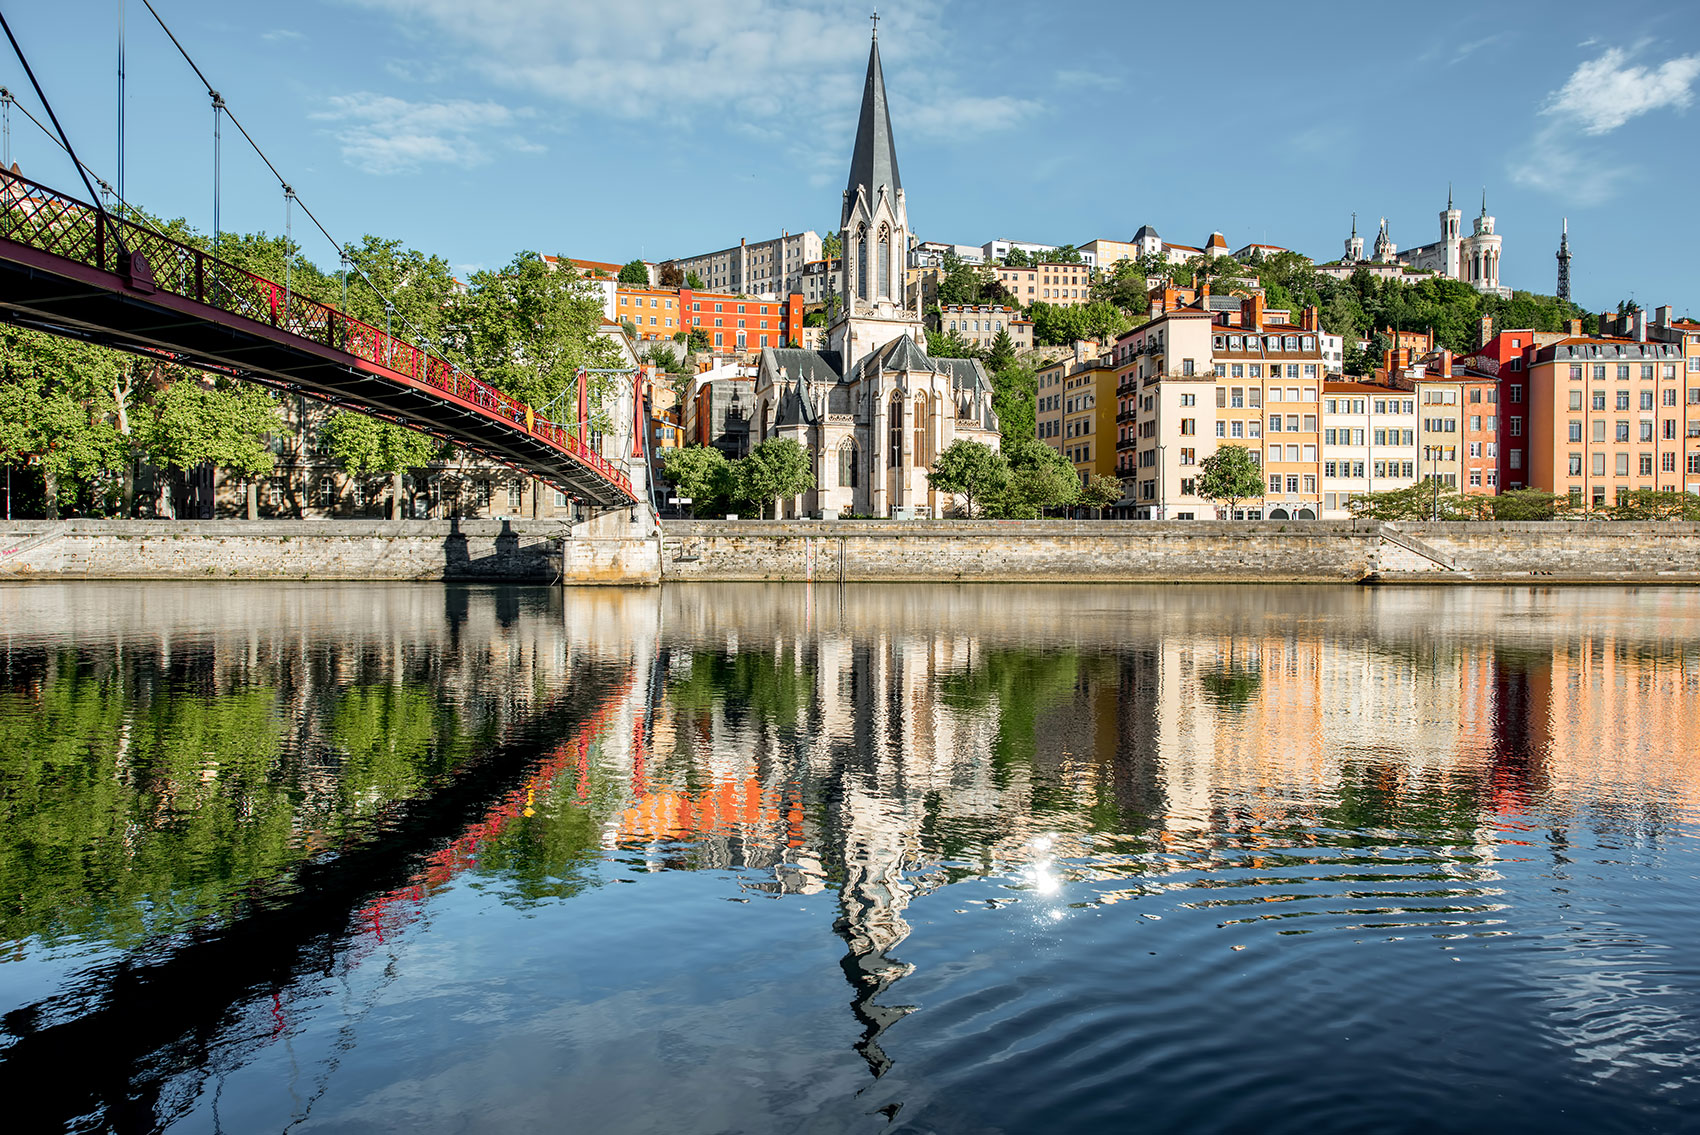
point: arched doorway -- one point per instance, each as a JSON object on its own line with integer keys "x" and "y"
{"x": 1304, "y": 514}
{"x": 1278, "y": 514}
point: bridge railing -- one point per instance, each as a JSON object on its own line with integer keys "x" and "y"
{"x": 51, "y": 222}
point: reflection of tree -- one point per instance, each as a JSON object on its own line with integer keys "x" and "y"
{"x": 393, "y": 739}
{"x": 757, "y": 683}
{"x": 1230, "y": 686}
{"x": 1019, "y": 685}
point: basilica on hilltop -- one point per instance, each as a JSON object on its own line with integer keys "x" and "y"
{"x": 1472, "y": 259}
{"x": 873, "y": 410}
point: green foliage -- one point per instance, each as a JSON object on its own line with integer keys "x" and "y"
{"x": 363, "y": 446}
{"x": 1101, "y": 492}
{"x": 1058, "y": 325}
{"x": 950, "y": 345}
{"x": 1426, "y": 500}
{"x": 419, "y": 286}
{"x": 702, "y": 474}
{"x": 529, "y": 328}
{"x": 630, "y": 329}
{"x": 962, "y": 283}
{"x": 1066, "y": 254}
{"x": 693, "y": 281}
{"x": 1230, "y": 475}
{"x": 635, "y": 272}
{"x": 698, "y": 340}
{"x": 815, "y": 319}
{"x": 831, "y": 247}
{"x": 1656, "y": 504}
{"x": 971, "y": 469}
{"x": 1530, "y": 504}
{"x": 195, "y": 423}
{"x": 1015, "y": 392}
{"x": 1002, "y": 351}
{"x": 775, "y": 469}
{"x": 1231, "y": 687}
{"x": 1017, "y": 258}
{"x": 669, "y": 276}
{"x": 57, "y": 408}
{"x": 1039, "y": 478}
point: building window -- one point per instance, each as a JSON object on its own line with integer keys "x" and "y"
{"x": 847, "y": 464}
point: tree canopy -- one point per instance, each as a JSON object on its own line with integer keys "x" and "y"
{"x": 1230, "y": 475}
{"x": 529, "y": 328}
{"x": 775, "y": 469}
{"x": 970, "y": 469}
{"x": 635, "y": 272}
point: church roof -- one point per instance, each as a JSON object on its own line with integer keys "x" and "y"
{"x": 796, "y": 364}
{"x": 874, "y": 162}
{"x": 1146, "y": 231}
{"x": 795, "y": 408}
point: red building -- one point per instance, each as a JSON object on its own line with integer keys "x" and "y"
{"x": 737, "y": 323}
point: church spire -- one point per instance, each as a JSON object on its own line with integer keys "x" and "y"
{"x": 874, "y": 162}
{"x": 1564, "y": 261}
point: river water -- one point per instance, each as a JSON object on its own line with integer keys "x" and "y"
{"x": 778, "y": 858}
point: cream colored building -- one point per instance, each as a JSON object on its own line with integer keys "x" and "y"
{"x": 979, "y": 324}
{"x": 1064, "y": 285}
{"x": 1369, "y": 443}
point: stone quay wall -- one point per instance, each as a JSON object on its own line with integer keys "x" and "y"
{"x": 514, "y": 551}
{"x": 621, "y": 550}
{"x": 1178, "y": 551}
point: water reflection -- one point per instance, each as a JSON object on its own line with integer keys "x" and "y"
{"x": 241, "y": 820}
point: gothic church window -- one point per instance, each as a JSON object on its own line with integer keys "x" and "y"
{"x": 885, "y": 262}
{"x": 847, "y": 464}
{"x": 862, "y": 262}
{"x": 894, "y": 457}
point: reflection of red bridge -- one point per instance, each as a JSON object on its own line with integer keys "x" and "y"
{"x": 395, "y": 909}
{"x": 69, "y": 268}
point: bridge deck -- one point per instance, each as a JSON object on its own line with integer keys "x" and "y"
{"x": 69, "y": 269}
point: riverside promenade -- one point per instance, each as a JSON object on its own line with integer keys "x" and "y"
{"x": 620, "y": 551}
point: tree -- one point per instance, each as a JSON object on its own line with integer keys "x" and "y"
{"x": 1015, "y": 392}
{"x": 1017, "y": 258}
{"x": 1532, "y": 504}
{"x": 635, "y": 272}
{"x": 670, "y": 277}
{"x": 529, "y": 329}
{"x": 363, "y": 446}
{"x": 1656, "y": 504}
{"x": 831, "y": 247}
{"x": 959, "y": 282}
{"x": 693, "y": 281}
{"x": 418, "y": 288}
{"x": 56, "y": 409}
{"x": 701, "y": 474}
{"x": 196, "y": 423}
{"x": 1066, "y": 254}
{"x": 1039, "y": 478}
{"x": 950, "y": 345}
{"x": 775, "y": 469}
{"x": 1101, "y": 492}
{"x": 972, "y": 469}
{"x": 1230, "y": 474}
{"x": 698, "y": 340}
{"x": 1428, "y": 499}
{"x": 1002, "y": 351}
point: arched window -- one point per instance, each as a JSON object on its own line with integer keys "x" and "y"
{"x": 885, "y": 263}
{"x": 919, "y": 453}
{"x": 862, "y": 262}
{"x": 894, "y": 430}
{"x": 847, "y": 464}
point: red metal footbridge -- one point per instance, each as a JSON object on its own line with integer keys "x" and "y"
{"x": 73, "y": 269}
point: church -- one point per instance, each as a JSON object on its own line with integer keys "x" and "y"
{"x": 1472, "y": 259}
{"x": 872, "y": 410}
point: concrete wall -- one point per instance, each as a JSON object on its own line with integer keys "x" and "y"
{"x": 1176, "y": 551}
{"x": 283, "y": 549}
{"x": 618, "y": 550}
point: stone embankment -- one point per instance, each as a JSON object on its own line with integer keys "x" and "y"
{"x": 621, "y": 550}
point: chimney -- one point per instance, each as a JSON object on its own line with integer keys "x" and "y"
{"x": 1309, "y": 319}
{"x": 1662, "y": 316}
{"x": 1204, "y": 296}
{"x": 1252, "y": 306}
{"x": 1445, "y": 363}
{"x": 1486, "y": 331}
{"x": 1575, "y": 328}
{"x": 1387, "y": 362}
{"x": 1639, "y": 321}
{"x": 1404, "y": 358}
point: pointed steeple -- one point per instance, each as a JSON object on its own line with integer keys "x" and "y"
{"x": 874, "y": 162}
{"x": 1484, "y": 200}
{"x": 1449, "y": 197}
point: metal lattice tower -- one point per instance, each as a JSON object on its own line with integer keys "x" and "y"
{"x": 1564, "y": 262}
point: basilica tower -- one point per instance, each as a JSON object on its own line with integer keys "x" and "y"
{"x": 874, "y": 231}
{"x": 1451, "y": 228}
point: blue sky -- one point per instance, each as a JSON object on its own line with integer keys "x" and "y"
{"x": 656, "y": 128}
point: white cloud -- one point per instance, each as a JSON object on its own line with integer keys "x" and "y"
{"x": 382, "y": 134}
{"x": 961, "y": 115}
{"x": 758, "y": 63}
{"x": 1465, "y": 50}
{"x": 1607, "y": 92}
{"x": 1556, "y": 163}
{"x": 282, "y": 35}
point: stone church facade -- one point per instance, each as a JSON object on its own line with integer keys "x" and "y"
{"x": 873, "y": 410}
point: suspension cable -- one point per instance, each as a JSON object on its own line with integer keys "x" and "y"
{"x": 63, "y": 140}
{"x": 236, "y": 122}
{"x": 133, "y": 215}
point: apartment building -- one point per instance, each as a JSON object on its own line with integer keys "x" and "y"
{"x": 654, "y": 312}
{"x": 1610, "y": 415}
{"x": 765, "y": 268}
{"x": 819, "y": 278}
{"x": 1195, "y": 378}
{"x": 1066, "y": 285}
{"x": 738, "y": 323}
{"x": 979, "y": 324}
{"x": 1369, "y": 443}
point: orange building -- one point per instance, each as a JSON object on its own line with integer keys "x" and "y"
{"x": 736, "y": 323}
{"x": 1607, "y": 416}
{"x": 653, "y": 311}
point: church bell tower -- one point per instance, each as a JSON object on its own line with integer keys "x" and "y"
{"x": 874, "y": 233}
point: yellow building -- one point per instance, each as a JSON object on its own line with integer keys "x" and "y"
{"x": 1076, "y": 412}
{"x": 653, "y": 311}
